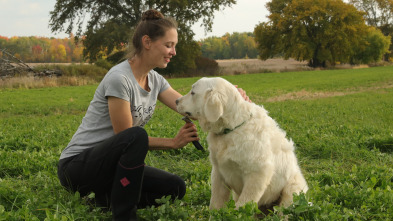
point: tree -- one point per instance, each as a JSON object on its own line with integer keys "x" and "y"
{"x": 235, "y": 45}
{"x": 37, "y": 53}
{"x": 242, "y": 45}
{"x": 213, "y": 47}
{"x": 322, "y": 32}
{"x": 376, "y": 46}
{"x": 61, "y": 53}
{"x": 110, "y": 23}
{"x": 379, "y": 14}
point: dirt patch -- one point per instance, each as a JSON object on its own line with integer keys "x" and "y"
{"x": 247, "y": 66}
{"x": 38, "y": 64}
{"x": 307, "y": 95}
{"x": 250, "y": 66}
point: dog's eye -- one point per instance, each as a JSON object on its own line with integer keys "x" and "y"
{"x": 192, "y": 93}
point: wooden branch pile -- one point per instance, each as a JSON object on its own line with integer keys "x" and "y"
{"x": 11, "y": 66}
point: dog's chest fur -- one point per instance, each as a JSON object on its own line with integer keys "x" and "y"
{"x": 224, "y": 156}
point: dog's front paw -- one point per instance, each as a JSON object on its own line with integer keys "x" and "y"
{"x": 238, "y": 205}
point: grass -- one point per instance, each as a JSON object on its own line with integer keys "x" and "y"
{"x": 342, "y": 128}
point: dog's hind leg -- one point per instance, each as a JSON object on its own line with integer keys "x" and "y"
{"x": 295, "y": 185}
{"x": 220, "y": 192}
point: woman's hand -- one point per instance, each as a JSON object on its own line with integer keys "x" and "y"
{"x": 243, "y": 94}
{"x": 186, "y": 134}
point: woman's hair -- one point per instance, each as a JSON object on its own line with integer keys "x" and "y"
{"x": 152, "y": 24}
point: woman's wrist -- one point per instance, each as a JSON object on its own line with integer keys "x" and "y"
{"x": 173, "y": 144}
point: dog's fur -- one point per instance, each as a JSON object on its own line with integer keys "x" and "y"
{"x": 250, "y": 154}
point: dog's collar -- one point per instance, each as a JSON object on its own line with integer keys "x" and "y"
{"x": 228, "y": 130}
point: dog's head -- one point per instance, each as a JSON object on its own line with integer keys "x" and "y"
{"x": 208, "y": 99}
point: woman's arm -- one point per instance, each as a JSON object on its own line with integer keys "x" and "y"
{"x": 169, "y": 97}
{"x": 120, "y": 114}
{"x": 186, "y": 135}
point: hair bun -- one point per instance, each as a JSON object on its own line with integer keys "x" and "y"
{"x": 152, "y": 14}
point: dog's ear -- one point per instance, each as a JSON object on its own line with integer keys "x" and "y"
{"x": 214, "y": 105}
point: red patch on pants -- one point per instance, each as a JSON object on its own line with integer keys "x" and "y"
{"x": 124, "y": 181}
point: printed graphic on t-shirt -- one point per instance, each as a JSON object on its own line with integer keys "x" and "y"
{"x": 142, "y": 115}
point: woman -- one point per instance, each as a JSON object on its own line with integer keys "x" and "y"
{"x": 106, "y": 154}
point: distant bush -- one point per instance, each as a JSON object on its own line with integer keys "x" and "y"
{"x": 94, "y": 72}
{"x": 204, "y": 67}
{"x": 104, "y": 64}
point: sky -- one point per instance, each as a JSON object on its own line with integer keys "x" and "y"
{"x": 31, "y": 18}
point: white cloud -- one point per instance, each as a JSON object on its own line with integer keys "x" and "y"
{"x": 26, "y": 18}
{"x": 241, "y": 17}
{"x": 31, "y": 9}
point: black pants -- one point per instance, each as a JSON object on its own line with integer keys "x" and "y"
{"x": 93, "y": 170}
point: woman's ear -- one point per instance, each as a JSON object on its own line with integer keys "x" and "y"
{"x": 146, "y": 42}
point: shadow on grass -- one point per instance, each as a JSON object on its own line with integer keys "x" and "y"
{"x": 383, "y": 145}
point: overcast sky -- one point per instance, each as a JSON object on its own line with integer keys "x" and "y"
{"x": 31, "y": 18}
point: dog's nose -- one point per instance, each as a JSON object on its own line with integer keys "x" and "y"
{"x": 177, "y": 101}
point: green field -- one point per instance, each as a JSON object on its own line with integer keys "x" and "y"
{"x": 340, "y": 120}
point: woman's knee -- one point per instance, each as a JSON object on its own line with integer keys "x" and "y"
{"x": 138, "y": 136}
{"x": 179, "y": 187}
{"x": 137, "y": 147}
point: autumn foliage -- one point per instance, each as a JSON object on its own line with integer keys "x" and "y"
{"x": 43, "y": 50}
{"x": 230, "y": 46}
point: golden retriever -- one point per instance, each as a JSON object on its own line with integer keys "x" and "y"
{"x": 250, "y": 154}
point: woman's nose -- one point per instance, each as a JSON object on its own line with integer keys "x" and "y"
{"x": 173, "y": 51}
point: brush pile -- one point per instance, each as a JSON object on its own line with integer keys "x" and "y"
{"x": 11, "y": 66}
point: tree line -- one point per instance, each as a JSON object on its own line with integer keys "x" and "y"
{"x": 46, "y": 50}
{"x": 230, "y": 46}
{"x": 42, "y": 49}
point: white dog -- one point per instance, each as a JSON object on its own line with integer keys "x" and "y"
{"x": 250, "y": 154}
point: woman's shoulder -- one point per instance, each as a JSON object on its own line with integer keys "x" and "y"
{"x": 122, "y": 67}
{"x": 117, "y": 76}
{"x": 121, "y": 70}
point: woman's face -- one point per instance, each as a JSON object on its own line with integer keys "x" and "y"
{"x": 163, "y": 49}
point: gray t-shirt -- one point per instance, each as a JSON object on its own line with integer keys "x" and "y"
{"x": 118, "y": 82}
